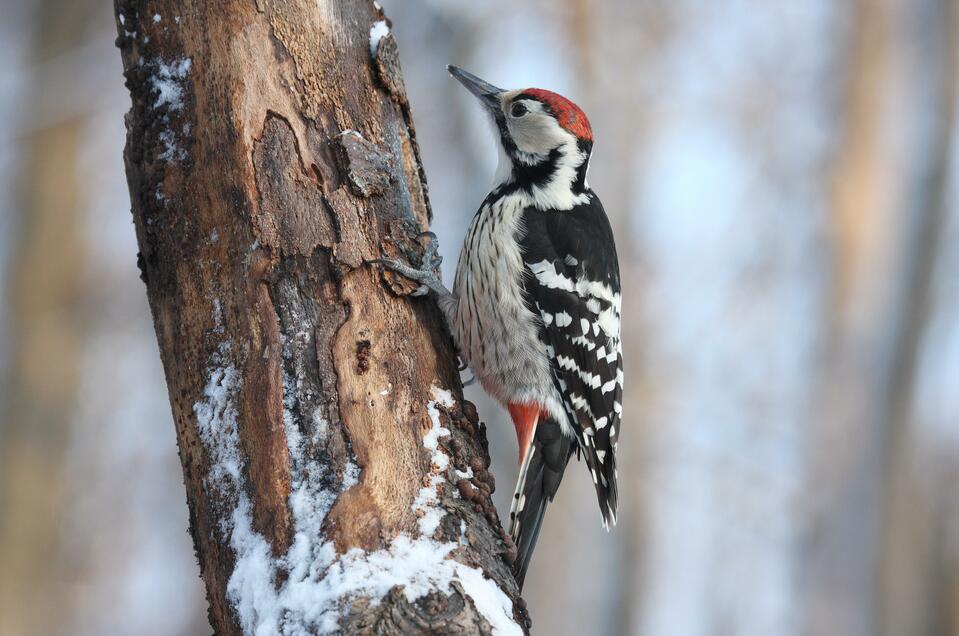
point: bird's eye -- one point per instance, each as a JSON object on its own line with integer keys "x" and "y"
{"x": 518, "y": 110}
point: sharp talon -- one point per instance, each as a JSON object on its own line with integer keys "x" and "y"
{"x": 422, "y": 290}
{"x": 431, "y": 235}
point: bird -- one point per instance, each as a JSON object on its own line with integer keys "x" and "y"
{"x": 536, "y": 302}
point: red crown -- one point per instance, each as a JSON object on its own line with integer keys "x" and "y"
{"x": 568, "y": 114}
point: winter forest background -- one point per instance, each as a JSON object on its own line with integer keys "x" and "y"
{"x": 782, "y": 181}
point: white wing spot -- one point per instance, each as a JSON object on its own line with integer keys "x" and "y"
{"x": 583, "y": 341}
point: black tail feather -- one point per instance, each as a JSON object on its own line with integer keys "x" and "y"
{"x": 539, "y": 480}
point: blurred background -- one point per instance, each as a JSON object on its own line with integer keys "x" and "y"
{"x": 782, "y": 182}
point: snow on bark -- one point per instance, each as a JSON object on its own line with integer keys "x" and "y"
{"x": 167, "y": 81}
{"x": 319, "y": 583}
{"x": 377, "y": 32}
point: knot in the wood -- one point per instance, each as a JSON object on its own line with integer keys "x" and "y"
{"x": 368, "y": 169}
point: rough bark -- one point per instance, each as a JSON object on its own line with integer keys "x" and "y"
{"x": 270, "y": 154}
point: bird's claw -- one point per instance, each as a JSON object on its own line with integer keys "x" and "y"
{"x": 428, "y": 274}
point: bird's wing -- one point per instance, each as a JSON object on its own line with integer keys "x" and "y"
{"x": 572, "y": 282}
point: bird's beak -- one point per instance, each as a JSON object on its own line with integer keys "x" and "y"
{"x": 486, "y": 92}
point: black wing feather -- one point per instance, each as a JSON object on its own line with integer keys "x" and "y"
{"x": 572, "y": 282}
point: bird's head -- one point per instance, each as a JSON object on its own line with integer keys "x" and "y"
{"x": 544, "y": 139}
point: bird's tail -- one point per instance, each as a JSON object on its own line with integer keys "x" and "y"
{"x": 539, "y": 477}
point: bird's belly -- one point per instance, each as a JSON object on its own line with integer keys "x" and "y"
{"x": 496, "y": 333}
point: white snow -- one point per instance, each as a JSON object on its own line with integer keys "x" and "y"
{"x": 156, "y": 17}
{"x": 377, "y": 32}
{"x": 217, "y": 316}
{"x": 167, "y": 81}
{"x": 319, "y": 580}
{"x": 171, "y": 151}
{"x": 443, "y": 397}
{"x": 425, "y": 503}
{"x": 216, "y": 423}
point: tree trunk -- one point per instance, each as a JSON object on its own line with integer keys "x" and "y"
{"x": 336, "y": 480}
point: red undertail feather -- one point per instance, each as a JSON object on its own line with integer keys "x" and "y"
{"x": 524, "y": 417}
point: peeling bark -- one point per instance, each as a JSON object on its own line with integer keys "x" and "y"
{"x": 269, "y": 156}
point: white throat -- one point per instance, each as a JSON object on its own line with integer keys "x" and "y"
{"x": 555, "y": 193}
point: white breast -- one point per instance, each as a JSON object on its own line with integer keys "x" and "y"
{"x": 495, "y": 331}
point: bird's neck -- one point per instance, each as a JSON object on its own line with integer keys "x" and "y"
{"x": 556, "y": 180}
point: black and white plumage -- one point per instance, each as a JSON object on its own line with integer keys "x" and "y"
{"x": 535, "y": 307}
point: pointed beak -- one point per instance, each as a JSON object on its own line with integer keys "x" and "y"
{"x": 488, "y": 94}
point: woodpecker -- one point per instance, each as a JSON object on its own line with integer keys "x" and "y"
{"x": 535, "y": 306}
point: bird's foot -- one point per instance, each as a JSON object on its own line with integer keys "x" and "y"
{"x": 428, "y": 274}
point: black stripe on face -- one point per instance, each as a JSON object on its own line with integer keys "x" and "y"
{"x": 585, "y": 148}
{"x": 537, "y": 174}
{"x": 505, "y": 138}
{"x": 525, "y": 176}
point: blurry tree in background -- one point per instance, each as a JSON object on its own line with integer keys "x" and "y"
{"x": 46, "y": 301}
{"x": 781, "y": 178}
{"x": 92, "y": 518}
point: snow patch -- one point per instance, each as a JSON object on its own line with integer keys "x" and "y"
{"x": 216, "y": 423}
{"x": 321, "y": 427}
{"x": 217, "y": 316}
{"x": 378, "y": 31}
{"x": 318, "y": 581}
{"x": 425, "y": 504}
{"x": 167, "y": 81}
{"x": 443, "y": 397}
{"x": 171, "y": 151}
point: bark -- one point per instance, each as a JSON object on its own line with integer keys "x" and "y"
{"x": 270, "y": 154}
